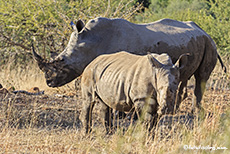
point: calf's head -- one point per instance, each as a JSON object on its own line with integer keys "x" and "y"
{"x": 167, "y": 77}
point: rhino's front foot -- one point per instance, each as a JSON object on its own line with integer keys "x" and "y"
{"x": 148, "y": 114}
{"x": 86, "y": 116}
{"x": 106, "y": 115}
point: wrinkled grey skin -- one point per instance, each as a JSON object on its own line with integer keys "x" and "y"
{"x": 102, "y": 36}
{"x": 126, "y": 82}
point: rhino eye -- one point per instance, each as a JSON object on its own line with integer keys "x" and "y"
{"x": 175, "y": 83}
{"x": 49, "y": 73}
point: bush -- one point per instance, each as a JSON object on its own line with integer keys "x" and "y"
{"x": 47, "y": 21}
{"x": 216, "y": 23}
{"x": 169, "y": 8}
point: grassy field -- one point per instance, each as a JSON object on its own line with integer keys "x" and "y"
{"x": 50, "y": 123}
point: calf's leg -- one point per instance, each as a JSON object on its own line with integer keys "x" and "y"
{"x": 151, "y": 113}
{"x": 147, "y": 112}
{"x": 86, "y": 113}
{"x": 106, "y": 112}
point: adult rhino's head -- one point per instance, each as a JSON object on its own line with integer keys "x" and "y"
{"x": 70, "y": 63}
{"x": 57, "y": 72}
{"x": 167, "y": 77}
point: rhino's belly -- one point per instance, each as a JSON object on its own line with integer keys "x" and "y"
{"x": 115, "y": 98}
{"x": 121, "y": 106}
{"x": 114, "y": 102}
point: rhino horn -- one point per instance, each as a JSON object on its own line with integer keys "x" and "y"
{"x": 154, "y": 61}
{"x": 41, "y": 62}
{"x": 37, "y": 57}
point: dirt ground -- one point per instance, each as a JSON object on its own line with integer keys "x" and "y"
{"x": 62, "y": 111}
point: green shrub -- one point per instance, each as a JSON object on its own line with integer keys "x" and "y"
{"x": 47, "y": 21}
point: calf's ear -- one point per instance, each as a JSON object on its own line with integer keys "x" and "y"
{"x": 182, "y": 61}
{"x": 154, "y": 62}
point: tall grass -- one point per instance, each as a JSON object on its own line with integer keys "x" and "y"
{"x": 21, "y": 132}
{"x": 212, "y": 132}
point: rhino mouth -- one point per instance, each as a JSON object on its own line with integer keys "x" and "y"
{"x": 62, "y": 77}
{"x": 52, "y": 83}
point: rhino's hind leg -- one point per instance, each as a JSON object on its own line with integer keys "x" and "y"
{"x": 199, "y": 91}
{"x": 202, "y": 75}
{"x": 204, "y": 71}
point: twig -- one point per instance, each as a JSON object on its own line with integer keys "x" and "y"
{"x": 9, "y": 41}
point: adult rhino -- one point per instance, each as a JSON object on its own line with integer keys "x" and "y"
{"x": 102, "y": 36}
{"x": 128, "y": 82}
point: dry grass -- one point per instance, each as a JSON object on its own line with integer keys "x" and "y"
{"x": 45, "y": 124}
{"x": 28, "y": 76}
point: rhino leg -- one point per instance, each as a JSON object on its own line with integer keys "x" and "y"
{"x": 202, "y": 76}
{"x": 106, "y": 112}
{"x": 86, "y": 113}
{"x": 199, "y": 91}
{"x": 147, "y": 112}
{"x": 204, "y": 71}
{"x": 152, "y": 113}
{"x": 181, "y": 87}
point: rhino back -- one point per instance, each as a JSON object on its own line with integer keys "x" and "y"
{"x": 141, "y": 38}
{"x": 163, "y": 36}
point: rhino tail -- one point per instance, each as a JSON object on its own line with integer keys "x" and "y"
{"x": 222, "y": 64}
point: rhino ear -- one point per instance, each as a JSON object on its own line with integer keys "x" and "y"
{"x": 80, "y": 25}
{"x": 182, "y": 61}
{"x": 154, "y": 62}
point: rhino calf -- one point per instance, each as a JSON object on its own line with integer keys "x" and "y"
{"x": 128, "y": 82}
